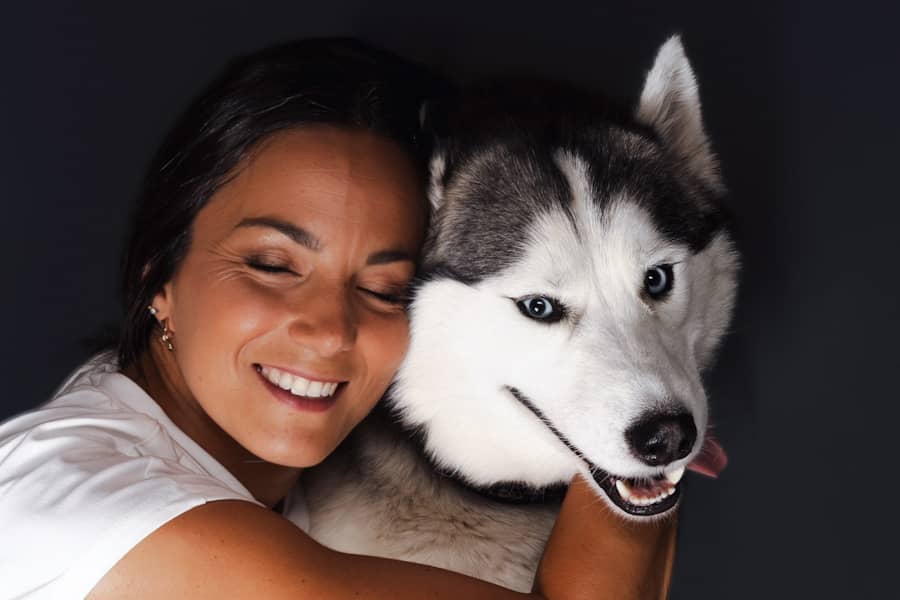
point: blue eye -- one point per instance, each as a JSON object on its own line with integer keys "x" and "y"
{"x": 658, "y": 281}
{"x": 541, "y": 308}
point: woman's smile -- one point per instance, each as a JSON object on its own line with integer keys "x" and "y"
{"x": 313, "y": 394}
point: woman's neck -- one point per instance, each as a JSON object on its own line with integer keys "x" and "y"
{"x": 158, "y": 374}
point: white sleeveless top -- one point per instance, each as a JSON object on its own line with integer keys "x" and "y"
{"x": 88, "y": 475}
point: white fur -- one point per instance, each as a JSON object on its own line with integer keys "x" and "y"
{"x": 591, "y": 375}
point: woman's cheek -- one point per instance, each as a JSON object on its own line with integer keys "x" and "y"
{"x": 391, "y": 344}
{"x": 247, "y": 308}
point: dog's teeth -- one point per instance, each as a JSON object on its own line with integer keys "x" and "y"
{"x": 623, "y": 489}
{"x": 655, "y": 499}
{"x": 675, "y": 475}
{"x": 629, "y": 496}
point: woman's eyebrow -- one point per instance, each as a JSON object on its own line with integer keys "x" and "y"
{"x": 308, "y": 240}
{"x": 295, "y": 233}
{"x": 388, "y": 256}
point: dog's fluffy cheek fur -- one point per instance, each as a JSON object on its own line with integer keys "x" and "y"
{"x": 714, "y": 288}
{"x": 453, "y": 385}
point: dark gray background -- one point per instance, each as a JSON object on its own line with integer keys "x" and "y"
{"x": 800, "y": 103}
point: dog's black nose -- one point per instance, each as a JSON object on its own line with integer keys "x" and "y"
{"x": 658, "y": 439}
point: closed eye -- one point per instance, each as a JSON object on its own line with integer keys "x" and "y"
{"x": 396, "y": 299}
{"x": 269, "y": 267}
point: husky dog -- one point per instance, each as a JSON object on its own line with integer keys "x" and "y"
{"x": 577, "y": 279}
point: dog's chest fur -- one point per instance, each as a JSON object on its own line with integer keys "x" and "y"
{"x": 376, "y": 495}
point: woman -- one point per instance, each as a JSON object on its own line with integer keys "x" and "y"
{"x": 277, "y": 231}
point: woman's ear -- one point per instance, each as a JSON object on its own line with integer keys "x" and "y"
{"x": 163, "y": 304}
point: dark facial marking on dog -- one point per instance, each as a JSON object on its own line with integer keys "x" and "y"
{"x": 629, "y": 165}
{"x": 527, "y": 403}
{"x": 490, "y": 203}
{"x": 501, "y": 172}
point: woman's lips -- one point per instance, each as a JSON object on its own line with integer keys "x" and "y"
{"x": 297, "y": 384}
{"x": 299, "y": 392}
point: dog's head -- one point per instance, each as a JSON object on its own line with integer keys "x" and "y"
{"x": 578, "y": 278}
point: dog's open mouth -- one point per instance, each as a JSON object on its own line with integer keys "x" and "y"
{"x": 649, "y": 496}
{"x": 645, "y": 496}
{"x": 642, "y": 497}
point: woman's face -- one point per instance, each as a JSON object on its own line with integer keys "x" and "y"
{"x": 294, "y": 279}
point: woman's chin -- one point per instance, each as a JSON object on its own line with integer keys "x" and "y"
{"x": 298, "y": 452}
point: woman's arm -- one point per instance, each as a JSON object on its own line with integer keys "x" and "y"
{"x": 594, "y": 553}
{"x": 233, "y": 549}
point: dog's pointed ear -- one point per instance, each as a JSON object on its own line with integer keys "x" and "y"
{"x": 670, "y": 104}
{"x": 433, "y": 122}
{"x": 437, "y": 168}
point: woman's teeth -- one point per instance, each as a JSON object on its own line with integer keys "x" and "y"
{"x": 298, "y": 386}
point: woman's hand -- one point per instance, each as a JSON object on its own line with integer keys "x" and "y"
{"x": 595, "y": 553}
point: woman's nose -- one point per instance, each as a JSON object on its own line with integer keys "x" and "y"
{"x": 325, "y": 323}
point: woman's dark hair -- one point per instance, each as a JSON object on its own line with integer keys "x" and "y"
{"x": 339, "y": 82}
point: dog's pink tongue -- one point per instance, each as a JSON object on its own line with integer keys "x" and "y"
{"x": 711, "y": 460}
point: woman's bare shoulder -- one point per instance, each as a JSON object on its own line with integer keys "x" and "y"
{"x": 220, "y": 549}
{"x": 235, "y": 549}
